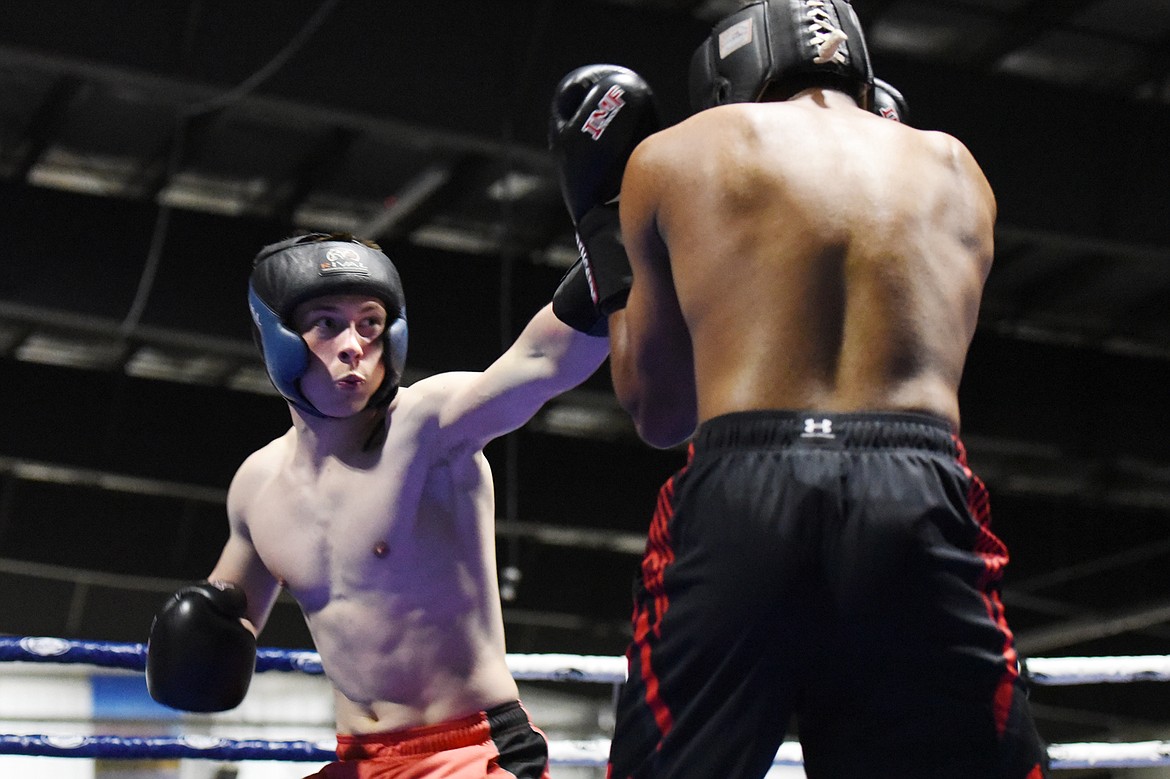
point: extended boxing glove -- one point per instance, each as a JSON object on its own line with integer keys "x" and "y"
{"x": 200, "y": 657}
{"x": 888, "y": 102}
{"x": 599, "y": 114}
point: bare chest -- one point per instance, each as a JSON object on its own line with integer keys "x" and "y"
{"x": 307, "y": 528}
{"x": 347, "y": 534}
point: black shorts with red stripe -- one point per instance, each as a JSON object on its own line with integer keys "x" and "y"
{"x": 832, "y": 571}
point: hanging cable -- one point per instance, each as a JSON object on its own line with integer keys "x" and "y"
{"x": 511, "y": 573}
{"x": 186, "y": 117}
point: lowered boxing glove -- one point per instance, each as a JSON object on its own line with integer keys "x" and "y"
{"x": 599, "y": 114}
{"x": 200, "y": 657}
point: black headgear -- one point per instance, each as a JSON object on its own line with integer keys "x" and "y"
{"x": 288, "y": 273}
{"x": 796, "y": 43}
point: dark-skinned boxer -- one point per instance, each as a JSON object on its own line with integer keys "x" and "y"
{"x": 803, "y": 285}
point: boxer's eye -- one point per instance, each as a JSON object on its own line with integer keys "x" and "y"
{"x": 371, "y": 327}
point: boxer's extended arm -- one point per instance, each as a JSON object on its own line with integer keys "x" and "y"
{"x": 548, "y": 358}
{"x": 599, "y": 115}
{"x": 651, "y": 361}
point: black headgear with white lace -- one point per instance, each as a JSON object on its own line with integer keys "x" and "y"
{"x": 789, "y": 44}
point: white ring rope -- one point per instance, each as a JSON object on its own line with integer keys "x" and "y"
{"x": 568, "y": 668}
{"x": 1058, "y": 671}
{"x": 1138, "y": 755}
{"x": 1053, "y": 671}
{"x": 601, "y": 669}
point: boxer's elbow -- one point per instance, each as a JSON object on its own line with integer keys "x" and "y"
{"x": 660, "y": 422}
{"x": 664, "y": 434}
{"x": 658, "y": 394}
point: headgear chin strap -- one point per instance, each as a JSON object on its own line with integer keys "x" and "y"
{"x": 792, "y": 43}
{"x": 290, "y": 272}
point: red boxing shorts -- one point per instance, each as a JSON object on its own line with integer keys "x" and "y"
{"x": 500, "y": 743}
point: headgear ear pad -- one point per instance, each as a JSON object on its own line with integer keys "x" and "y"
{"x": 288, "y": 273}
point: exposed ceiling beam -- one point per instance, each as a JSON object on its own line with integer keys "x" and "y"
{"x": 1092, "y": 567}
{"x": 326, "y": 155}
{"x": 1026, "y": 26}
{"x": 407, "y": 203}
{"x": 185, "y": 93}
{"x": 1092, "y": 626}
{"x": 1150, "y": 78}
{"x": 45, "y": 122}
{"x": 1012, "y": 467}
{"x": 544, "y": 533}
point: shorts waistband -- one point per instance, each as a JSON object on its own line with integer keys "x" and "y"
{"x": 777, "y": 429}
{"x": 466, "y": 731}
{"x": 506, "y": 716}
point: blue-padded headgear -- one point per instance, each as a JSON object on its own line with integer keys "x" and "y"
{"x": 288, "y": 273}
{"x": 792, "y": 43}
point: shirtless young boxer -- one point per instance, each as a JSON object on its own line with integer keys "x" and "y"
{"x": 376, "y": 512}
{"x": 806, "y": 278}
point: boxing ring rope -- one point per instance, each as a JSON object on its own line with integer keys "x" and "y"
{"x": 1054, "y": 671}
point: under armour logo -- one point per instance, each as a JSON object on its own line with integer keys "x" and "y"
{"x": 814, "y": 428}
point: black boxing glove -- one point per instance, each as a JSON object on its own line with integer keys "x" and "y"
{"x": 573, "y": 303}
{"x": 598, "y": 283}
{"x": 200, "y": 657}
{"x": 599, "y": 114}
{"x": 888, "y": 102}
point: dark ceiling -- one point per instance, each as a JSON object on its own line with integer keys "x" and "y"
{"x": 147, "y": 150}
